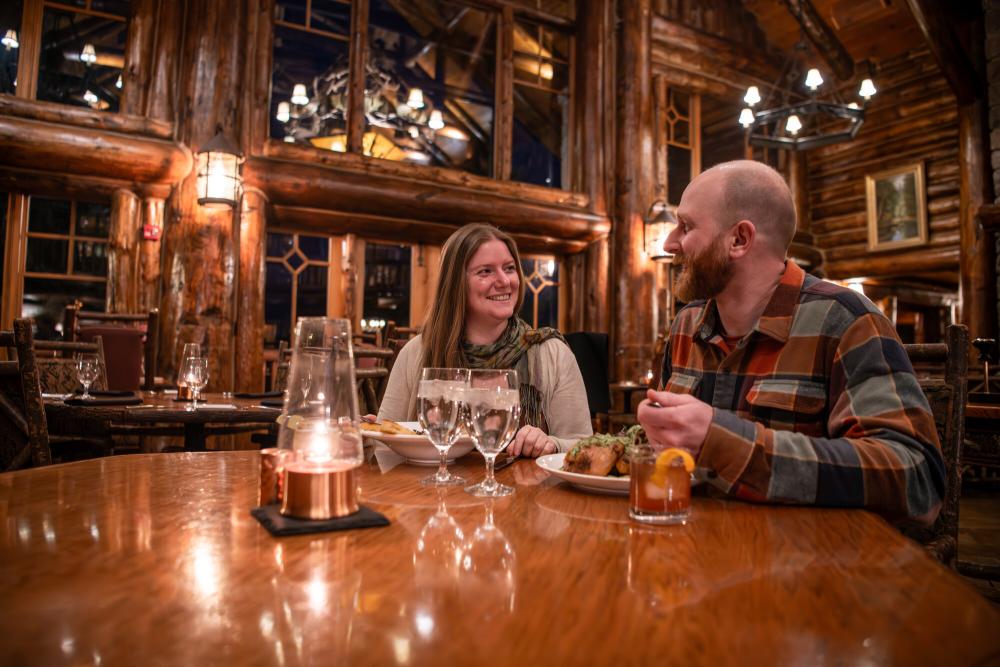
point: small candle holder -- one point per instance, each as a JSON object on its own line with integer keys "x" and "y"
{"x": 184, "y": 392}
{"x": 319, "y": 490}
{"x": 272, "y": 468}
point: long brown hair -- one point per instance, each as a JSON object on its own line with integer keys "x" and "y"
{"x": 442, "y": 332}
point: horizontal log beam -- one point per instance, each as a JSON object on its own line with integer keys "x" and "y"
{"x": 65, "y": 149}
{"x": 297, "y": 218}
{"x": 989, "y": 217}
{"x": 330, "y": 188}
{"x": 80, "y": 117}
{"x": 74, "y": 186}
{"x": 823, "y": 38}
{"x": 895, "y": 264}
{"x": 671, "y": 36}
{"x": 936, "y": 23}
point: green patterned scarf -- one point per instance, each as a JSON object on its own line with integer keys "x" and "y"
{"x": 510, "y": 351}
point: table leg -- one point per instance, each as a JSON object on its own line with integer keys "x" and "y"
{"x": 194, "y": 438}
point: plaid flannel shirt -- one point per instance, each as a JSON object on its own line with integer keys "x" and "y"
{"x": 817, "y": 405}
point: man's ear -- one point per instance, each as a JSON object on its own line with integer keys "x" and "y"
{"x": 744, "y": 234}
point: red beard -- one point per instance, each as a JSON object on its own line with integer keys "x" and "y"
{"x": 704, "y": 275}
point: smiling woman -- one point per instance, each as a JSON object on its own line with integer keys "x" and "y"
{"x": 473, "y": 323}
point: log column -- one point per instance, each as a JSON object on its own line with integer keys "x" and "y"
{"x": 200, "y": 253}
{"x": 149, "y": 255}
{"x": 632, "y": 325}
{"x": 124, "y": 275}
{"x": 250, "y": 299}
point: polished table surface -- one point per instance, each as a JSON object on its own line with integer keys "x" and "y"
{"x": 154, "y": 559}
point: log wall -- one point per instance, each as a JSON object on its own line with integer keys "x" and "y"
{"x": 913, "y": 118}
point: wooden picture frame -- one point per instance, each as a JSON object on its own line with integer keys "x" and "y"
{"x": 897, "y": 208}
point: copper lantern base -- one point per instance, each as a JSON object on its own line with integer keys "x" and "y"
{"x": 318, "y": 491}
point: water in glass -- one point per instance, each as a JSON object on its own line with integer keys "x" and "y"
{"x": 87, "y": 369}
{"x": 494, "y": 409}
{"x": 440, "y": 397}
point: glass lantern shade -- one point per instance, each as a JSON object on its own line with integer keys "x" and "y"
{"x": 656, "y": 228}
{"x": 319, "y": 422}
{"x": 219, "y": 180}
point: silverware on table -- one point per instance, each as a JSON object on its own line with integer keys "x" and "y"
{"x": 506, "y": 462}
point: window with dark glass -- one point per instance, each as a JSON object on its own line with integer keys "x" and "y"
{"x": 541, "y": 105}
{"x": 66, "y": 260}
{"x": 541, "y": 291}
{"x": 10, "y": 44}
{"x": 295, "y": 282}
{"x": 310, "y": 76}
{"x": 83, "y": 53}
{"x": 387, "y": 283}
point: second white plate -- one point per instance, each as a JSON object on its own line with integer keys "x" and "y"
{"x": 417, "y": 449}
{"x": 553, "y": 464}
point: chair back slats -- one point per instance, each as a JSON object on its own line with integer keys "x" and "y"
{"x": 74, "y": 318}
{"x": 943, "y": 376}
{"x": 57, "y": 364}
{"x": 24, "y": 436}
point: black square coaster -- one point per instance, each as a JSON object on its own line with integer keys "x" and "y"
{"x": 278, "y": 525}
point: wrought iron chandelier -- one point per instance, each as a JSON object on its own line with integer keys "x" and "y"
{"x": 800, "y": 119}
{"x": 403, "y": 121}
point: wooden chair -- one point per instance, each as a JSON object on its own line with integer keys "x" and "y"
{"x": 73, "y": 319}
{"x": 24, "y": 434}
{"x": 57, "y": 364}
{"x": 393, "y": 332}
{"x": 368, "y": 381}
{"x": 943, "y": 376}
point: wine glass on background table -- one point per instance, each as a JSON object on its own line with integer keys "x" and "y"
{"x": 439, "y": 407}
{"x": 88, "y": 367}
{"x": 494, "y": 409}
{"x": 196, "y": 376}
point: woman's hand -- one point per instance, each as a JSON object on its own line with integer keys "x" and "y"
{"x": 532, "y": 441}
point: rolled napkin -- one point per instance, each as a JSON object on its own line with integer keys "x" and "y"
{"x": 98, "y": 401}
{"x": 258, "y": 394}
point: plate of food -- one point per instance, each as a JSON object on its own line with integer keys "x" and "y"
{"x": 598, "y": 463}
{"x": 408, "y": 440}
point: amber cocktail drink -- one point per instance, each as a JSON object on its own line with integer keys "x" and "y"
{"x": 660, "y": 488}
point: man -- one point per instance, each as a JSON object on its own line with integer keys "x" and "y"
{"x": 785, "y": 388}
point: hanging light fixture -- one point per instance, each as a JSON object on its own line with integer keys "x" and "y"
{"x": 88, "y": 54}
{"x": 219, "y": 180}
{"x": 90, "y": 98}
{"x": 10, "y": 39}
{"x": 801, "y": 120}
{"x": 118, "y": 82}
{"x": 416, "y": 99}
{"x": 299, "y": 95}
{"x": 659, "y": 223}
{"x": 284, "y": 112}
{"x": 436, "y": 122}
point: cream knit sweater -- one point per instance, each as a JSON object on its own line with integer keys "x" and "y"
{"x": 556, "y": 375}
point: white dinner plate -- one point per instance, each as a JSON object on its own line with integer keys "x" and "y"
{"x": 553, "y": 463}
{"x": 417, "y": 449}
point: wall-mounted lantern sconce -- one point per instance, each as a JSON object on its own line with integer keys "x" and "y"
{"x": 659, "y": 222}
{"x": 219, "y": 181}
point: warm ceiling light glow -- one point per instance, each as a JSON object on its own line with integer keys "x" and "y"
{"x": 436, "y": 122}
{"x": 416, "y": 99}
{"x": 545, "y": 71}
{"x": 284, "y": 112}
{"x": 10, "y": 39}
{"x": 219, "y": 182}
{"x": 299, "y": 94}
{"x": 867, "y": 89}
{"x": 746, "y": 117}
{"x": 793, "y": 125}
{"x": 88, "y": 54}
{"x": 338, "y": 145}
{"x": 813, "y": 79}
{"x": 753, "y": 96}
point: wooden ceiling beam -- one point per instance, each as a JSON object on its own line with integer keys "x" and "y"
{"x": 958, "y": 68}
{"x": 822, "y": 37}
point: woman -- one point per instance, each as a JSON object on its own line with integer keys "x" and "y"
{"x": 473, "y": 323}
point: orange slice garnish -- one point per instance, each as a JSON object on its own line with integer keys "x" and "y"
{"x": 665, "y": 460}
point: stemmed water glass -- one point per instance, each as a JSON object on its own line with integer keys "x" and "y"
{"x": 494, "y": 409}
{"x": 87, "y": 369}
{"x": 439, "y": 407}
{"x": 196, "y": 375}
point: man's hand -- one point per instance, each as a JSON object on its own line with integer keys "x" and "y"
{"x": 682, "y": 422}
{"x": 531, "y": 441}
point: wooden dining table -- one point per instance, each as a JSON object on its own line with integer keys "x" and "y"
{"x": 215, "y": 414}
{"x": 154, "y": 559}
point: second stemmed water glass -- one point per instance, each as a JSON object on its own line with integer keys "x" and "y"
{"x": 87, "y": 369}
{"x": 494, "y": 407}
{"x": 439, "y": 406}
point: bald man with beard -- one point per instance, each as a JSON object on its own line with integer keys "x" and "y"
{"x": 784, "y": 387}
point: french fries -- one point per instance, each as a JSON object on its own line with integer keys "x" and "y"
{"x": 388, "y": 426}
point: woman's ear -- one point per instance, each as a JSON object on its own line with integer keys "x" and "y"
{"x": 744, "y": 234}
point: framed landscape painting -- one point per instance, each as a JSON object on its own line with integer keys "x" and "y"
{"x": 897, "y": 210}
